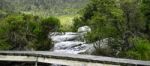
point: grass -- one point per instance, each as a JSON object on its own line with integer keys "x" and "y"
{"x": 141, "y": 50}
{"x": 66, "y": 22}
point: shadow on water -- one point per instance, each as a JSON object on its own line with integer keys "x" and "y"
{"x": 3, "y": 63}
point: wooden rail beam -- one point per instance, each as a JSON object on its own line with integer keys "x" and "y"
{"x": 49, "y": 57}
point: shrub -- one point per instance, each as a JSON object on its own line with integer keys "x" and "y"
{"x": 77, "y": 23}
{"x": 15, "y": 32}
{"x": 50, "y": 24}
{"x": 141, "y": 50}
{"x": 26, "y": 32}
{"x": 47, "y": 25}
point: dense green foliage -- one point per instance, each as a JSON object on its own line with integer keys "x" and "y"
{"x": 65, "y": 10}
{"x": 145, "y": 8}
{"x": 47, "y": 25}
{"x": 26, "y": 32}
{"x": 141, "y": 49}
{"x": 124, "y": 22}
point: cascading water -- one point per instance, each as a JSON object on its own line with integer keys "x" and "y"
{"x": 70, "y": 42}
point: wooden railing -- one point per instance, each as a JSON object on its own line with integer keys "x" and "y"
{"x": 67, "y": 59}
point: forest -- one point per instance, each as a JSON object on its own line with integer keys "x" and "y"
{"x": 44, "y": 7}
{"x": 25, "y": 24}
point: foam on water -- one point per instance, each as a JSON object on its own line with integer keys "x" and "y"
{"x": 69, "y": 43}
{"x": 61, "y": 38}
{"x": 73, "y": 47}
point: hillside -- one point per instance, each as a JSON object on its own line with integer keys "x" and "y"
{"x": 47, "y": 7}
{"x": 65, "y": 10}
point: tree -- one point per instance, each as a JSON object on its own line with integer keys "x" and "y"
{"x": 120, "y": 20}
{"x": 105, "y": 18}
{"x": 102, "y": 16}
{"x": 133, "y": 21}
{"x": 50, "y": 24}
{"x": 145, "y": 8}
{"x": 17, "y": 31}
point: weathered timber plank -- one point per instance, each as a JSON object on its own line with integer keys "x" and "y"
{"x": 78, "y": 57}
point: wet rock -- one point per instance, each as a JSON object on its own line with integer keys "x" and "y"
{"x": 102, "y": 43}
{"x": 73, "y": 47}
{"x": 55, "y": 33}
{"x": 68, "y": 36}
{"x": 84, "y": 29}
{"x": 70, "y": 42}
{"x": 67, "y": 44}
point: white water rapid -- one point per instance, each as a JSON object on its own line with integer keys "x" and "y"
{"x": 71, "y": 42}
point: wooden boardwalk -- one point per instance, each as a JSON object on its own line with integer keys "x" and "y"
{"x": 50, "y": 57}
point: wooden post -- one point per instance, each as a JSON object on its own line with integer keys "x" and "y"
{"x": 36, "y": 62}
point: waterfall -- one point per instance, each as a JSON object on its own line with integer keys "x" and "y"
{"x": 71, "y": 42}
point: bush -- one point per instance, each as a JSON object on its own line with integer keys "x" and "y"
{"x": 108, "y": 47}
{"x": 15, "y": 30}
{"x": 50, "y": 24}
{"x": 26, "y": 32}
{"x": 141, "y": 51}
{"x": 77, "y": 23}
{"x": 47, "y": 25}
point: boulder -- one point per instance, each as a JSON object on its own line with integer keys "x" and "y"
{"x": 103, "y": 44}
{"x": 68, "y": 36}
{"x": 84, "y": 29}
{"x": 73, "y": 47}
